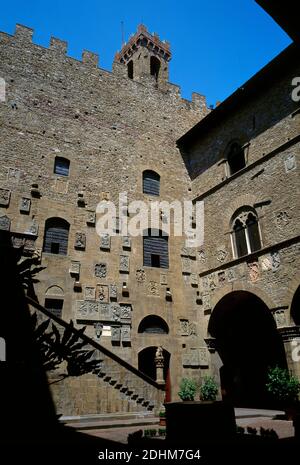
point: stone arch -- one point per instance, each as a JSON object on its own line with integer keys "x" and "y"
{"x": 248, "y": 343}
{"x": 146, "y": 361}
{"x": 153, "y": 324}
{"x": 240, "y": 286}
{"x": 55, "y": 290}
{"x": 291, "y": 291}
{"x": 236, "y": 204}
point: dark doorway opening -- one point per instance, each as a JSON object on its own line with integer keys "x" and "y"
{"x": 248, "y": 343}
{"x": 154, "y": 67}
{"x": 295, "y": 307}
{"x": 146, "y": 362}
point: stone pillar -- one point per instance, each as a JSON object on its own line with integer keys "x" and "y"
{"x": 159, "y": 363}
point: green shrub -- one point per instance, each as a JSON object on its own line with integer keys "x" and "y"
{"x": 187, "y": 389}
{"x": 283, "y": 386}
{"x": 209, "y": 389}
{"x": 162, "y": 432}
{"x": 162, "y": 414}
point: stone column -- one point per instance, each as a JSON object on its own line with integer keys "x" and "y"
{"x": 159, "y": 363}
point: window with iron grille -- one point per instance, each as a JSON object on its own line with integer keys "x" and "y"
{"x": 151, "y": 182}
{"x": 61, "y": 166}
{"x": 156, "y": 250}
{"x": 56, "y": 236}
{"x": 54, "y": 306}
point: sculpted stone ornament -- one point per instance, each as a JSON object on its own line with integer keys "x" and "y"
{"x": 280, "y": 318}
{"x": 192, "y": 329}
{"x": 203, "y": 357}
{"x": 91, "y": 218}
{"x": 4, "y": 197}
{"x": 221, "y": 255}
{"x": 266, "y": 263}
{"x": 33, "y": 228}
{"x": 89, "y": 293}
{"x": 184, "y": 327}
{"x": 125, "y": 312}
{"x": 25, "y": 205}
{"x": 80, "y": 240}
{"x": 159, "y": 363}
{"x": 290, "y": 163}
{"x": 102, "y": 293}
{"x": 125, "y": 334}
{"x": 74, "y": 268}
{"x": 253, "y": 269}
{"x": 186, "y": 265}
{"x": 201, "y": 256}
{"x": 221, "y": 277}
{"x": 115, "y": 333}
{"x": 282, "y": 219}
{"x": 275, "y": 260}
{"x": 4, "y": 223}
{"x": 105, "y": 242}
{"x": 140, "y": 276}
{"x": 87, "y": 309}
{"x": 100, "y": 270}
{"x": 113, "y": 291}
{"x": 231, "y": 275}
{"x": 115, "y": 312}
{"x": 126, "y": 242}
{"x": 124, "y": 263}
{"x": 98, "y": 329}
{"x": 206, "y": 302}
{"x": 153, "y": 288}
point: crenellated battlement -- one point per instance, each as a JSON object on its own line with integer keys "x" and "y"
{"x": 23, "y": 37}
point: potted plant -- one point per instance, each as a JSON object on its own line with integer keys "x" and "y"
{"x": 209, "y": 389}
{"x": 188, "y": 389}
{"x": 162, "y": 418}
{"x": 284, "y": 388}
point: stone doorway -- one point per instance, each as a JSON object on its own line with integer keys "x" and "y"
{"x": 247, "y": 341}
{"x": 147, "y": 365}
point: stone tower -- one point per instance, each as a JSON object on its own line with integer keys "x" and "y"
{"x": 146, "y": 56}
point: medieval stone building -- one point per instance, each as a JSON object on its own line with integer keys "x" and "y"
{"x": 73, "y": 134}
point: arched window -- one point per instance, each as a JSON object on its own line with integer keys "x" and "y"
{"x": 154, "y": 67}
{"x": 235, "y": 157}
{"x": 56, "y": 236}
{"x": 130, "y": 69}
{"x": 153, "y": 324}
{"x": 61, "y": 166}
{"x": 151, "y": 182}
{"x": 155, "y": 249}
{"x": 245, "y": 232}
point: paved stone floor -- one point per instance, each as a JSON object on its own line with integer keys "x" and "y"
{"x": 244, "y": 417}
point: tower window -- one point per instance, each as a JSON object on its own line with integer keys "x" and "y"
{"x": 235, "y": 158}
{"x": 155, "y": 248}
{"x": 61, "y": 166}
{"x": 130, "y": 69}
{"x": 154, "y": 67}
{"x": 151, "y": 182}
{"x": 56, "y": 236}
{"x": 245, "y": 232}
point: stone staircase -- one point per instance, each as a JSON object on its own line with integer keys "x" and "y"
{"x": 114, "y": 386}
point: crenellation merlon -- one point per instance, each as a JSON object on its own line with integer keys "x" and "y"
{"x": 90, "y": 58}
{"x": 60, "y": 46}
{"x": 23, "y": 33}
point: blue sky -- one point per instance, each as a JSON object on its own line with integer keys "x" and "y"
{"x": 216, "y": 45}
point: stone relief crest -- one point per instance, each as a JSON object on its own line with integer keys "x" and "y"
{"x": 105, "y": 241}
{"x": 275, "y": 260}
{"x": 25, "y": 205}
{"x": 100, "y": 270}
{"x": 290, "y": 163}
{"x": 184, "y": 327}
{"x": 89, "y": 293}
{"x": 4, "y": 223}
{"x": 253, "y": 270}
{"x": 140, "y": 276}
{"x": 221, "y": 255}
{"x": 102, "y": 292}
{"x": 113, "y": 291}
{"x": 80, "y": 240}
{"x": 153, "y": 288}
{"x": 282, "y": 219}
{"x": 4, "y": 197}
{"x": 124, "y": 263}
{"x": 201, "y": 256}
